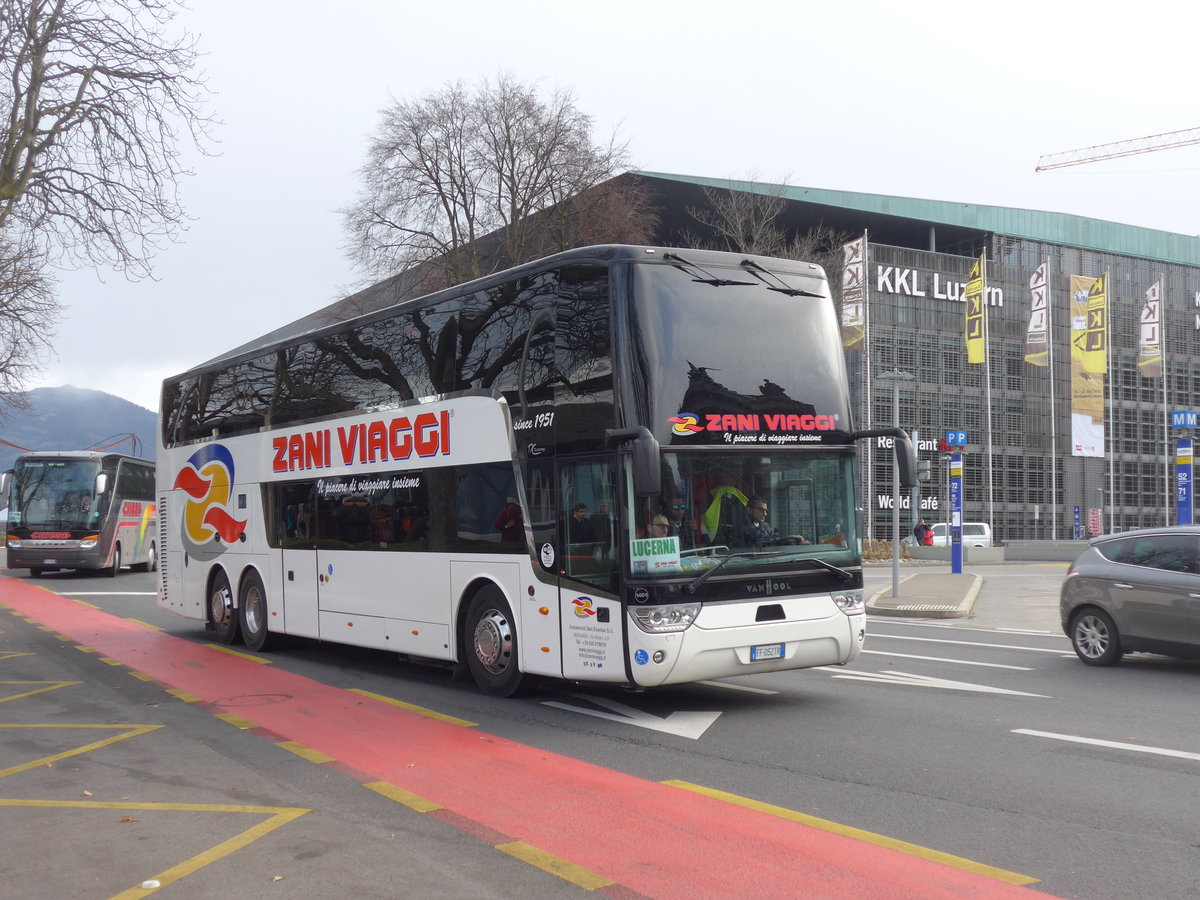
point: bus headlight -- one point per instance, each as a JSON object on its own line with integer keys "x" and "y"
{"x": 13, "y": 542}
{"x": 662, "y": 619}
{"x": 89, "y": 542}
{"x": 849, "y": 602}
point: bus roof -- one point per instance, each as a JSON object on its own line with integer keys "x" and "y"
{"x": 384, "y": 298}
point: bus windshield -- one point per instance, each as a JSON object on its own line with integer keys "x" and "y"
{"x": 747, "y": 512}
{"x": 59, "y": 494}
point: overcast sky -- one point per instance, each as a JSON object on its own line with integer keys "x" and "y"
{"x": 938, "y": 99}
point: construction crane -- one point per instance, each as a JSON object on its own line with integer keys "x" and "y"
{"x": 1120, "y": 148}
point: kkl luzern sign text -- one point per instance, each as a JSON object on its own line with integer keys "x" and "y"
{"x": 920, "y": 283}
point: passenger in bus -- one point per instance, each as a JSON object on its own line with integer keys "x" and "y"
{"x": 510, "y": 523}
{"x": 602, "y": 528}
{"x": 352, "y": 520}
{"x": 679, "y": 523}
{"x": 579, "y": 529}
{"x": 660, "y": 527}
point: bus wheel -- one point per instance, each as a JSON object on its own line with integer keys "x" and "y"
{"x": 150, "y": 565}
{"x": 491, "y": 644}
{"x": 35, "y": 571}
{"x": 112, "y": 570}
{"x": 221, "y": 614}
{"x": 252, "y": 610}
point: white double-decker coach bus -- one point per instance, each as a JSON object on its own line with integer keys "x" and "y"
{"x": 616, "y": 464}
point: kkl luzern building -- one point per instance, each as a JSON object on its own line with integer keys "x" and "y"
{"x": 1087, "y": 332}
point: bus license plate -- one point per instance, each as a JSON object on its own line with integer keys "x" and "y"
{"x": 766, "y": 651}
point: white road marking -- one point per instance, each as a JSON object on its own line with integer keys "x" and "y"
{"x": 106, "y": 593}
{"x": 738, "y": 687}
{"x": 960, "y": 662}
{"x": 910, "y": 680}
{"x": 1116, "y": 745}
{"x": 905, "y": 637}
{"x": 682, "y": 723}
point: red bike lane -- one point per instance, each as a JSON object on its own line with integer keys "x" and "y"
{"x": 632, "y": 837}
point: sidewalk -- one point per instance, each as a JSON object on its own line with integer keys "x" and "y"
{"x": 930, "y": 595}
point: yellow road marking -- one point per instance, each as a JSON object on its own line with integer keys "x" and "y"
{"x": 142, "y": 676}
{"x": 111, "y": 661}
{"x": 83, "y": 649}
{"x": 869, "y": 837}
{"x": 13, "y": 654}
{"x": 183, "y": 695}
{"x": 584, "y": 878}
{"x": 412, "y": 801}
{"x": 238, "y": 653}
{"x": 419, "y": 710}
{"x": 145, "y": 624}
{"x": 132, "y": 731}
{"x": 82, "y": 602}
{"x": 279, "y": 816}
{"x": 314, "y": 756}
{"x": 237, "y": 721}
{"x": 48, "y": 686}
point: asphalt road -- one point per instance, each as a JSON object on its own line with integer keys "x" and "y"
{"x": 982, "y": 738}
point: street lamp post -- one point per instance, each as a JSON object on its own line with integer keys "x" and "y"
{"x": 895, "y": 377}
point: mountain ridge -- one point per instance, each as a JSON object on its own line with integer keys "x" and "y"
{"x": 74, "y": 418}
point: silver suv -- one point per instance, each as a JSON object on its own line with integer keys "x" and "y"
{"x": 1135, "y": 591}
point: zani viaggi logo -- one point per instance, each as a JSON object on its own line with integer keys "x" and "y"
{"x": 208, "y": 525}
{"x": 685, "y": 423}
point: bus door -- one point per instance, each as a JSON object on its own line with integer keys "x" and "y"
{"x": 591, "y": 618}
{"x": 294, "y": 528}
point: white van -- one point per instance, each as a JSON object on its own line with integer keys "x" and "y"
{"x": 974, "y": 534}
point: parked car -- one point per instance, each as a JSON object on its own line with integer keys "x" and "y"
{"x": 1134, "y": 591}
{"x": 974, "y": 534}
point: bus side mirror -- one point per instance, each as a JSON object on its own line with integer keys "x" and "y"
{"x": 5, "y": 483}
{"x": 101, "y": 483}
{"x": 902, "y": 446}
{"x": 647, "y": 473}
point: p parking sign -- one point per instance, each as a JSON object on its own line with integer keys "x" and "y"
{"x": 956, "y": 438}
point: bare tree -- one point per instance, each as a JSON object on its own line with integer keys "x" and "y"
{"x": 28, "y": 313}
{"x": 468, "y": 181}
{"x": 98, "y": 94}
{"x": 751, "y": 221}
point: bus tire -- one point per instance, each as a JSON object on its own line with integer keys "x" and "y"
{"x": 114, "y": 567}
{"x": 150, "y": 565}
{"x": 35, "y": 571}
{"x": 490, "y": 641}
{"x": 221, "y": 615}
{"x": 253, "y": 613}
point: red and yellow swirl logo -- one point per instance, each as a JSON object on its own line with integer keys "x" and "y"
{"x": 208, "y": 524}
{"x": 685, "y": 423}
{"x": 583, "y": 607}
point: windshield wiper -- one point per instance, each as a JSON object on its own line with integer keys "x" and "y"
{"x": 751, "y": 266}
{"x": 743, "y": 554}
{"x": 841, "y": 573}
{"x": 710, "y": 279}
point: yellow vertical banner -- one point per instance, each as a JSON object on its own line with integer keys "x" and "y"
{"x": 1087, "y": 382}
{"x": 1095, "y": 333}
{"x": 976, "y": 327}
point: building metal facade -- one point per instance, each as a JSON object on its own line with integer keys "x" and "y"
{"x": 1021, "y": 473}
